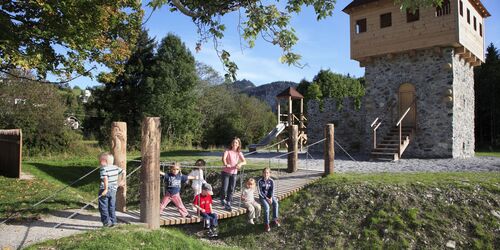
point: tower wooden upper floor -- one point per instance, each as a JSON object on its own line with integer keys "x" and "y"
{"x": 379, "y": 27}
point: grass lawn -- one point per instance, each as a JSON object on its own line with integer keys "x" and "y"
{"x": 487, "y": 153}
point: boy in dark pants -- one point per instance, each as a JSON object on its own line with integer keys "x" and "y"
{"x": 109, "y": 174}
{"x": 203, "y": 204}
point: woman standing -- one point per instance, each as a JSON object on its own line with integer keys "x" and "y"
{"x": 233, "y": 159}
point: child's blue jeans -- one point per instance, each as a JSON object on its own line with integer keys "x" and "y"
{"x": 210, "y": 219}
{"x": 107, "y": 207}
{"x": 267, "y": 207}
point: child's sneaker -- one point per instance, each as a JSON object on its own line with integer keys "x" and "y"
{"x": 267, "y": 228}
{"x": 277, "y": 223}
{"x": 214, "y": 232}
{"x": 251, "y": 221}
{"x": 210, "y": 233}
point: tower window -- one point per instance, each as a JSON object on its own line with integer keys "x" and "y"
{"x": 412, "y": 16}
{"x": 461, "y": 8}
{"x": 468, "y": 16}
{"x": 481, "y": 29}
{"x": 361, "y": 26}
{"x": 444, "y": 9}
{"x": 385, "y": 20}
{"x": 475, "y": 23}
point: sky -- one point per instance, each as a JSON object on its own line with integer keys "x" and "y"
{"x": 322, "y": 44}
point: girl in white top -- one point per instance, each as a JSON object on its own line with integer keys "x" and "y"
{"x": 247, "y": 196}
{"x": 198, "y": 172}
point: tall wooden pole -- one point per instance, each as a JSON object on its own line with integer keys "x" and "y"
{"x": 278, "y": 110}
{"x": 119, "y": 151}
{"x": 293, "y": 147}
{"x": 329, "y": 149}
{"x": 290, "y": 114}
{"x": 150, "y": 172}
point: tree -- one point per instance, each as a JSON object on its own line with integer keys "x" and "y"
{"x": 124, "y": 99}
{"x": 269, "y": 20}
{"x": 38, "y": 109}
{"x": 487, "y": 90}
{"x": 60, "y": 36}
{"x": 338, "y": 87}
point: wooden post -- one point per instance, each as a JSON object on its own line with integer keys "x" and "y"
{"x": 11, "y": 152}
{"x": 279, "y": 111}
{"x": 293, "y": 147}
{"x": 150, "y": 172}
{"x": 329, "y": 149}
{"x": 290, "y": 114}
{"x": 301, "y": 114}
{"x": 119, "y": 151}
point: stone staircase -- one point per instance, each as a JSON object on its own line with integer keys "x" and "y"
{"x": 388, "y": 148}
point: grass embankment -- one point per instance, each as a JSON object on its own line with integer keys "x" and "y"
{"x": 380, "y": 211}
{"x": 488, "y": 153}
{"x": 353, "y": 211}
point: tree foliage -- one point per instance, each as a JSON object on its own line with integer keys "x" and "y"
{"x": 60, "y": 36}
{"x": 336, "y": 87}
{"x": 487, "y": 90}
{"x": 38, "y": 109}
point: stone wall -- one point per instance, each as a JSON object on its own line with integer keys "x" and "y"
{"x": 348, "y": 122}
{"x": 444, "y": 105}
{"x": 463, "y": 110}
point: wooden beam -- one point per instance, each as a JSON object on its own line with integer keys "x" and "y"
{"x": 467, "y": 55}
{"x": 329, "y": 149}
{"x": 460, "y": 51}
{"x": 150, "y": 172}
{"x": 119, "y": 151}
{"x": 293, "y": 148}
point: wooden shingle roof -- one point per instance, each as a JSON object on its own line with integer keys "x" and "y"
{"x": 290, "y": 92}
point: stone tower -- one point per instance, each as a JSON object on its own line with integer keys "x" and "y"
{"x": 419, "y": 63}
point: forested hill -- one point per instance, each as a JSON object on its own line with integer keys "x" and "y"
{"x": 265, "y": 92}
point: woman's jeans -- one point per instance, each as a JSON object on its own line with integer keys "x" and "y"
{"x": 267, "y": 207}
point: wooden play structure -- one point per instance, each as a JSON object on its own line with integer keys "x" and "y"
{"x": 289, "y": 118}
{"x": 11, "y": 145}
{"x": 149, "y": 212}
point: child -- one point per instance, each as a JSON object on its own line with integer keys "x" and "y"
{"x": 173, "y": 182}
{"x": 109, "y": 174}
{"x": 249, "y": 202}
{"x": 203, "y": 204}
{"x": 266, "y": 197}
{"x": 233, "y": 159}
{"x": 198, "y": 172}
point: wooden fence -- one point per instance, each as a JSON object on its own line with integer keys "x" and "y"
{"x": 11, "y": 143}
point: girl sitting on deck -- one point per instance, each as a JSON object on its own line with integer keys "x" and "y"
{"x": 266, "y": 196}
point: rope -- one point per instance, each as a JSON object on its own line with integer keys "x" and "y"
{"x": 268, "y": 147}
{"x": 352, "y": 158}
{"x": 88, "y": 204}
{"x": 52, "y": 195}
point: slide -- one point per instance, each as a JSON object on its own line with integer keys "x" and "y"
{"x": 273, "y": 134}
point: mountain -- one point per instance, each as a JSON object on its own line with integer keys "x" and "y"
{"x": 266, "y": 92}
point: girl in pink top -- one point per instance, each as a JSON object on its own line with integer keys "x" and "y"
{"x": 233, "y": 159}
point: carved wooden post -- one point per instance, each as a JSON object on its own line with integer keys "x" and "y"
{"x": 119, "y": 151}
{"x": 11, "y": 152}
{"x": 293, "y": 147}
{"x": 150, "y": 172}
{"x": 329, "y": 149}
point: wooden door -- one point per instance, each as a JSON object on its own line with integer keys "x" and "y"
{"x": 406, "y": 100}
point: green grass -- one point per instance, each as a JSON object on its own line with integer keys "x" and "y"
{"x": 487, "y": 153}
{"x": 382, "y": 211}
{"x": 129, "y": 237}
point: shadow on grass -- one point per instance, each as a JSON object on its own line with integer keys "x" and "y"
{"x": 67, "y": 175}
{"x": 176, "y": 153}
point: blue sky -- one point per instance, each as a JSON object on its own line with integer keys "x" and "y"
{"x": 323, "y": 45}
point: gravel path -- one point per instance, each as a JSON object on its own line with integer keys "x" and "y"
{"x": 363, "y": 165}
{"x": 23, "y": 234}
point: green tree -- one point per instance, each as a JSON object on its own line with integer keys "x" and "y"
{"x": 36, "y": 108}
{"x": 170, "y": 91}
{"x": 487, "y": 90}
{"x": 60, "y": 36}
{"x": 339, "y": 87}
{"x": 124, "y": 99}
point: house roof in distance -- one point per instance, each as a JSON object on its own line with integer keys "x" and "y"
{"x": 290, "y": 92}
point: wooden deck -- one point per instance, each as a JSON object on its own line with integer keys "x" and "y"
{"x": 286, "y": 185}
